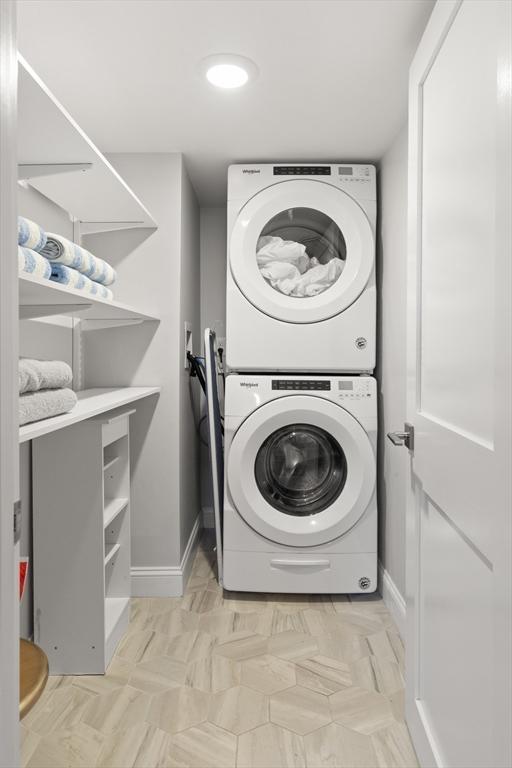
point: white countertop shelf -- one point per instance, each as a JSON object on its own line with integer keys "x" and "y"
{"x": 39, "y": 298}
{"x": 57, "y": 158}
{"x": 91, "y": 402}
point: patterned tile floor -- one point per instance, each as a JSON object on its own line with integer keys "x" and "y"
{"x": 217, "y": 680}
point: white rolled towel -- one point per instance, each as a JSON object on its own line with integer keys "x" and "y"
{"x": 271, "y": 249}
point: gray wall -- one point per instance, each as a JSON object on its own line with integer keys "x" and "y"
{"x": 391, "y": 368}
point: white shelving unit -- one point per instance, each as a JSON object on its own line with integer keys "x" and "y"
{"x": 80, "y": 460}
{"x": 81, "y": 491}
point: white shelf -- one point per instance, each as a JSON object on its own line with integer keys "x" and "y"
{"x": 110, "y": 551}
{"x": 112, "y": 508}
{"x": 91, "y": 402}
{"x": 50, "y": 142}
{"x": 40, "y": 298}
{"x": 109, "y": 465}
{"x": 114, "y": 610}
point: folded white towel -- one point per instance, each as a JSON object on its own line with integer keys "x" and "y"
{"x": 271, "y": 249}
{"x": 34, "y": 406}
{"x": 43, "y": 374}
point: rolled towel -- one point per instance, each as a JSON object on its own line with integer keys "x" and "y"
{"x": 74, "y": 279}
{"x": 34, "y": 406}
{"x": 33, "y": 263}
{"x": 30, "y": 234}
{"x": 63, "y": 251}
{"x": 43, "y": 374}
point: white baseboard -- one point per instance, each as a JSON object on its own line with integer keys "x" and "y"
{"x": 157, "y": 581}
{"x": 208, "y": 517}
{"x": 393, "y": 599}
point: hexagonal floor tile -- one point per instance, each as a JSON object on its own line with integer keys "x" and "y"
{"x": 213, "y": 674}
{"x": 333, "y": 746}
{"x": 344, "y": 646}
{"x": 269, "y": 746}
{"x": 219, "y": 622}
{"x": 190, "y": 646}
{"x": 158, "y": 674}
{"x": 60, "y": 709}
{"x": 80, "y": 746}
{"x": 174, "y": 622}
{"x": 292, "y": 645}
{"x": 324, "y": 675}
{"x": 300, "y": 709}
{"x": 393, "y": 746}
{"x": 360, "y": 710}
{"x": 202, "y": 601}
{"x": 244, "y": 602}
{"x": 238, "y": 709}
{"x": 143, "y": 744}
{"x": 376, "y": 674}
{"x": 284, "y": 621}
{"x": 117, "y": 710}
{"x": 241, "y": 645}
{"x": 268, "y": 674}
{"x": 204, "y": 746}
{"x": 178, "y": 709}
{"x": 141, "y": 646}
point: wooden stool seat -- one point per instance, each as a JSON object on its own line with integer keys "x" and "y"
{"x": 33, "y": 675}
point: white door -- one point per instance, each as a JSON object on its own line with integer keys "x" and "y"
{"x": 317, "y": 222}
{"x": 459, "y": 388}
{"x": 301, "y": 470}
{"x": 9, "y": 607}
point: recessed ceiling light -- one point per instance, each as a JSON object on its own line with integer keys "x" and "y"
{"x": 228, "y": 71}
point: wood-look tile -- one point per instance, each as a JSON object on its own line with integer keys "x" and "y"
{"x": 142, "y": 746}
{"x": 178, "y": 709}
{"x": 323, "y": 674}
{"x": 158, "y": 674}
{"x": 343, "y": 645}
{"x": 377, "y": 674}
{"x": 397, "y": 701}
{"x": 322, "y": 623}
{"x": 398, "y": 648}
{"x": 288, "y": 603}
{"x": 174, "y": 622}
{"x": 28, "y": 742}
{"x": 300, "y": 709}
{"x": 158, "y": 605}
{"x": 268, "y": 674}
{"x": 393, "y": 747}
{"x": 61, "y": 710}
{"x": 283, "y": 621}
{"x": 218, "y": 622}
{"x": 381, "y": 647}
{"x": 244, "y": 602}
{"x": 202, "y": 601}
{"x": 238, "y": 709}
{"x": 78, "y": 748}
{"x": 270, "y": 746}
{"x": 117, "y": 710}
{"x": 203, "y": 746}
{"x": 292, "y": 645}
{"x": 58, "y": 681}
{"x": 241, "y": 645}
{"x": 142, "y": 646}
{"x": 191, "y": 646}
{"x": 213, "y": 674}
{"x": 361, "y": 710}
{"x": 334, "y": 746}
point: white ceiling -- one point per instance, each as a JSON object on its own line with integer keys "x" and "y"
{"x": 332, "y": 83}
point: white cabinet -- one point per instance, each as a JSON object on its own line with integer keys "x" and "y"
{"x": 81, "y": 503}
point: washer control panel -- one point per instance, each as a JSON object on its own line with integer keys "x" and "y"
{"x": 354, "y": 389}
{"x": 301, "y": 384}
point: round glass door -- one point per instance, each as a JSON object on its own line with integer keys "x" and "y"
{"x": 301, "y": 252}
{"x": 300, "y": 469}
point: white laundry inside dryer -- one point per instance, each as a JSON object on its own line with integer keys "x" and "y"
{"x": 301, "y": 252}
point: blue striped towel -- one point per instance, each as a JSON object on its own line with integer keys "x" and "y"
{"x": 63, "y": 251}
{"x": 74, "y": 279}
{"x": 33, "y": 263}
{"x": 30, "y": 234}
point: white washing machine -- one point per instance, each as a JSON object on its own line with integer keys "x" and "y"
{"x": 300, "y": 507}
{"x": 301, "y": 274}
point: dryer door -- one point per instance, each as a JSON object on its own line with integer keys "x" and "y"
{"x": 302, "y": 251}
{"x": 301, "y": 470}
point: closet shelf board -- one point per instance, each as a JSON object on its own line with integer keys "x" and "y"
{"x": 94, "y": 193}
{"x": 91, "y": 402}
{"x": 39, "y": 298}
{"x": 110, "y": 551}
{"x": 112, "y": 508}
{"x": 109, "y": 465}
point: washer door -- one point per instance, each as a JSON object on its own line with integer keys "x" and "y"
{"x": 301, "y": 470}
{"x": 286, "y": 230}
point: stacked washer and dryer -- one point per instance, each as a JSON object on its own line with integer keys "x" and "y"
{"x": 300, "y": 508}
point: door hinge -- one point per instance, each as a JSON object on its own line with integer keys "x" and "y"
{"x": 17, "y": 521}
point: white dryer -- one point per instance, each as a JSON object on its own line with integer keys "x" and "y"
{"x": 301, "y": 274}
{"x": 300, "y": 508}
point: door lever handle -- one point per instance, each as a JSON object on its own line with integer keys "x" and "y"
{"x": 403, "y": 438}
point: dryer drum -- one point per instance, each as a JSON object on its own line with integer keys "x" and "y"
{"x": 317, "y": 231}
{"x": 300, "y": 469}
